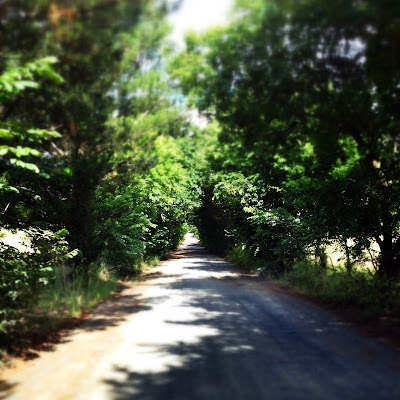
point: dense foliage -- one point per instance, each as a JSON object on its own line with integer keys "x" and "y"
{"x": 305, "y": 94}
{"x": 92, "y": 170}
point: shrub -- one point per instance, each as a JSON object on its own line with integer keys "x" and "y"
{"x": 374, "y": 296}
{"x": 24, "y": 274}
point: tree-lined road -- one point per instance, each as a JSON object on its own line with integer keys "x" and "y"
{"x": 196, "y": 328}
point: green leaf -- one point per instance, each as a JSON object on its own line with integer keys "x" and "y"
{"x": 19, "y": 151}
{"x": 8, "y": 188}
{"x": 49, "y": 59}
{"x": 66, "y": 171}
{"x": 61, "y": 233}
{"x": 6, "y": 134}
{"x": 3, "y": 150}
{"x": 22, "y": 164}
{"x": 22, "y": 85}
{"x": 43, "y": 133}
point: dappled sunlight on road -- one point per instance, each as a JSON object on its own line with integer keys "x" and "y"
{"x": 196, "y": 327}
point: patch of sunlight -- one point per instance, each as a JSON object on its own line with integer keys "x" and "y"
{"x": 166, "y": 336}
{"x": 237, "y": 349}
{"x": 337, "y": 256}
{"x": 18, "y": 239}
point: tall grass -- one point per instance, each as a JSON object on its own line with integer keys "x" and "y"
{"x": 70, "y": 299}
{"x": 371, "y": 295}
{"x": 148, "y": 262}
{"x": 62, "y": 300}
{"x": 58, "y": 303}
{"x": 65, "y": 298}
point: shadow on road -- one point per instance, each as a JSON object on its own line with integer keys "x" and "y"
{"x": 191, "y": 250}
{"x": 196, "y": 337}
{"x": 250, "y": 353}
{"x": 200, "y": 259}
{"x": 114, "y": 312}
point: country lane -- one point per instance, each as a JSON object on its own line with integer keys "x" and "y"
{"x": 196, "y": 327}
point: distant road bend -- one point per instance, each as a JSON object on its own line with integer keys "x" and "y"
{"x": 196, "y": 329}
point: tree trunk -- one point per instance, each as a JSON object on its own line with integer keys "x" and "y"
{"x": 80, "y": 218}
{"x": 349, "y": 265}
{"x": 387, "y": 265}
{"x": 321, "y": 256}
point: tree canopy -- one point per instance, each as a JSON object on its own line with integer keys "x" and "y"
{"x": 305, "y": 94}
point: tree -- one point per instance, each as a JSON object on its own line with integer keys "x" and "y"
{"x": 23, "y": 273}
{"x": 305, "y": 93}
{"x": 98, "y": 44}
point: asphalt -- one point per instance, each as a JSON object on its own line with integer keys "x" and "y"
{"x": 197, "y": 328}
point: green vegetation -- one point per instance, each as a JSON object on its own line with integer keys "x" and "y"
{"x": 92, "y": 168}
{"x": 305, "y": 96}
{"x": 373, "y": 297}
{"x": 102, "y": 172}
{"x": 69, "y": 300}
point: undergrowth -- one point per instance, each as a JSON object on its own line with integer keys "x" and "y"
{"x": 62, "y": 300}
{"x": 71, "y": 299}
{"x": 58, "y": 304}
{"x": 148, "y": 262}
{"x": 244, "y": 257}
{"x": 370, "y": 295}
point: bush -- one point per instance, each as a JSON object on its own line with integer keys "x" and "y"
{"x": 23, "y": 275}
{"x": 121, "y": 223}
{"x": 244, "y": 257}
{"x": 68, "y": 298}
{"x": 374, "y": 296}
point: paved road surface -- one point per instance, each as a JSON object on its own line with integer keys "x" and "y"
{"x": 196, "y": 329}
